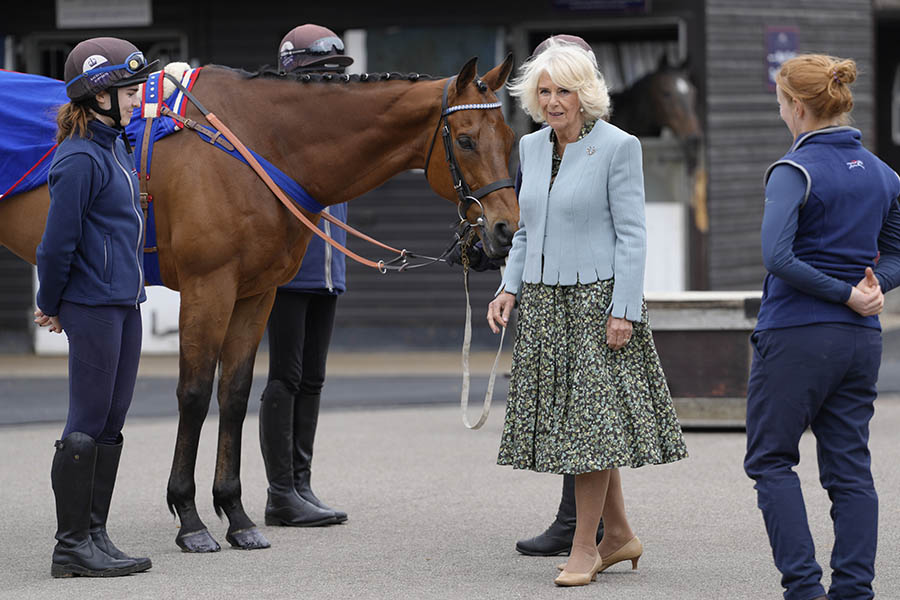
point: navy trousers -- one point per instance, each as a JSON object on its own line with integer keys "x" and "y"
{"x": 104, "y": 350}
{"x": 820, "y": 376}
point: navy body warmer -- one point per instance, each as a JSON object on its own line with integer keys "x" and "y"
{"x": 849, "y": 194}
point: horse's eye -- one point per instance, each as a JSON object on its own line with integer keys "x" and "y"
{"x": 465, "y": 142}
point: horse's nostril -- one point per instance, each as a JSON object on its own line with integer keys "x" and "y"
{"x": 502, "y": 234}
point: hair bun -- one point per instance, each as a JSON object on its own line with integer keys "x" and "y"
{"x": 844, "y": 71}
{"x": 821, "y": 82}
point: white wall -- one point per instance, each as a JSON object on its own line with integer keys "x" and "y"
{"x": 160, "y": 319}
{"x": 667, "y": 189}
{"x": 666, "y": 247}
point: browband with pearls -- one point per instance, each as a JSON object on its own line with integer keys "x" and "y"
{"x": 453, "y": 109}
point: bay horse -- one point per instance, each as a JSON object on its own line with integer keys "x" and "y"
{"x": 663, "y": 98}
{"x": 225, "y": 243}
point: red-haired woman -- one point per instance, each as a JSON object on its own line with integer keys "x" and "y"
{"x": 831, "y": 210}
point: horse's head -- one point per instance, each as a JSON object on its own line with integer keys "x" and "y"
{"x": 473, "y": 136}
{"x": 674, "y": 100}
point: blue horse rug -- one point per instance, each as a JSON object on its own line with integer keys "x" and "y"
{"x": 28, "y": 106}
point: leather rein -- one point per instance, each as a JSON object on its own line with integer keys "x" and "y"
{"x": 401, "y": 263}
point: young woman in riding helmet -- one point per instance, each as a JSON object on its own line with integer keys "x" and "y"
{"x": 91, "y": 286}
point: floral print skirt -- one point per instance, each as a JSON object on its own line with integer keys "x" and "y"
{"x": 575, "y": 405}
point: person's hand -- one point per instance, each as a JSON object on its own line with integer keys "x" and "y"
{"x": 43, "y": 320}
{"x": 618, "y": 332}
{"x": 866, "y": 298}
{"x": 869, "y": 282}
{"x": 499, "y": 310}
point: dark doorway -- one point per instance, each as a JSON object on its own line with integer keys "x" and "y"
{"x": 887, "y": 89}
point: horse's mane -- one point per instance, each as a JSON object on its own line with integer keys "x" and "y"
{"x": 269, "y": 72}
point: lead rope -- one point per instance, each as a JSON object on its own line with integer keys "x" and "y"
{"x": 467, "y": 346}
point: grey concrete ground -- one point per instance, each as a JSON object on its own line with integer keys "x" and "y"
{"x": 431, "y": 516}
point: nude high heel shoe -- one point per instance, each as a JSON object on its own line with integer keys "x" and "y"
{"x": 632, "y": 550}
{"x": 566, "y": 579}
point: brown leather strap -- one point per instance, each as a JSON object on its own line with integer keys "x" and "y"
{"x": 195, "y": 126}
{"x": 332, "y": 219}
{"x": 144, "y": 180}
{"x": 288, "y": 203}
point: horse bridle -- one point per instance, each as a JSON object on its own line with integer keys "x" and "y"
{"x": 467, "y": 197}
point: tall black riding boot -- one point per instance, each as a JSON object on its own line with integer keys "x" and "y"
{"x": 105, "y": 470}
{"x": 276, "y": 423}
{"x": 72, "y": 475}
{"x": 306, "y": 419}
{"x": 557, "y": 539}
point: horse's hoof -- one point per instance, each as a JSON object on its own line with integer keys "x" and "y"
{"x": 247, "y": 539}
{"x": 197, "y": 541}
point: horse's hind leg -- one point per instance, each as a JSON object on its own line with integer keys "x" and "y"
{"x": 204, "y": 311}
{"x": 248, "y": 321}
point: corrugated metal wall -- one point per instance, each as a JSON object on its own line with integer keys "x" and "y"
{"x": 16, "y": 299}
{"x": 422, "y": 307}
{"x": 745, "y": 133}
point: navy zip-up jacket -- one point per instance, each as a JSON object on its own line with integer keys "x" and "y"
{"x": 819, "y": 239}
{"x": 92, "y": 248}
{"x": 324, "y": 268}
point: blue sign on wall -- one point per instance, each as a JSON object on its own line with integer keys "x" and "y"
{"x": 781, "y": 44}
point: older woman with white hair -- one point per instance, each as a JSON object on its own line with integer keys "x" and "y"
{"x": 587, "y": 393}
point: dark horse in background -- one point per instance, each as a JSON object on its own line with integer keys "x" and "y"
{"x": 226, "y": 243}
{"x": 663, "y": 98}
{"x": 667, "y": 98}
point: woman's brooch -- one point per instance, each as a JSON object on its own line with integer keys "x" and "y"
{"x": 591, "y": 150}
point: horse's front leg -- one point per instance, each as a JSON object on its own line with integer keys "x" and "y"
{"x": 248, "y": 321}
{"x": 205, "y": 311}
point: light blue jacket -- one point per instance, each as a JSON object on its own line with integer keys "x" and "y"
{"x": 590, "y": 226}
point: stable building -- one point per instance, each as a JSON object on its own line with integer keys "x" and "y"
{"x": 703, "y": 224}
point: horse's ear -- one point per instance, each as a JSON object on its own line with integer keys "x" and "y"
{"x": 467, "y": 74}
{"x": 496, "y": 77}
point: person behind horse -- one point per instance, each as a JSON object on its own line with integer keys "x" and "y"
{"x": 299, "y": 329}
{"x": 577, "y": 263}
{"x": 557, "y": 538}
{"x": 831, "y": 246}
{"x": 91, "y": 285}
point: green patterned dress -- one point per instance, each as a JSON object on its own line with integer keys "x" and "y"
{"x": 574, "y": 404}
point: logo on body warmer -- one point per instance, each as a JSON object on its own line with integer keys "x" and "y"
{"x": 855, "y": 163}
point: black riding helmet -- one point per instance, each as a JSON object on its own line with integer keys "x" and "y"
{"x": 100, "y": 64}
{"x": 312, "y": 47}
